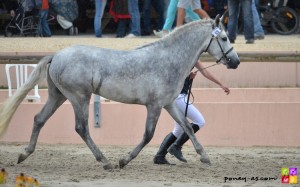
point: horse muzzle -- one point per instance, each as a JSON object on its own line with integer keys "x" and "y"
{"x": 232, "y": 64}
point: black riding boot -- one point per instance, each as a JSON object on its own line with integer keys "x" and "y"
{"x": 175, "y": 148}
{"x": 160, "y": 157}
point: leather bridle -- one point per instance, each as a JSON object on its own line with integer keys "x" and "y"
{"x": 224, "y": 54}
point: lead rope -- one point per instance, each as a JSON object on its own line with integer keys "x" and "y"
{"x": 188, "y": 99}
{"x": 206, "y": 68}
{"x": 190, "y": 90}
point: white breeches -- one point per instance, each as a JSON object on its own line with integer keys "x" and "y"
{"x": 193, "y": 114}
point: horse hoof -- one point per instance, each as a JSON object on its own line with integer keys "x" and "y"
{"x": 122, "y": 163}
{"x": 205, "y": 160}
{"x": 21, "y": 158}
{"x": 108, "y": 167}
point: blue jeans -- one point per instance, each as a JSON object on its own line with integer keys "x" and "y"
{"x": 234, "y": 10}
{"x": 171, "y": 14}
{"x": 133, "y": 8}
{"x": 44, "y": 29}
{"x": 219, "y": 6}
{"x": 258, "y": 30}
{"x": 158, "y": 5}
{"x": 99, "y": 10}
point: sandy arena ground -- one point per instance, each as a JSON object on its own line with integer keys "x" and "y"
{"x": 74, "y": 165}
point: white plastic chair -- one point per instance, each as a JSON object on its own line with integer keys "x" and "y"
{"x": 22, "y": 73}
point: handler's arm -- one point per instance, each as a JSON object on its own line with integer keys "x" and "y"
{"x": 210, "y": 76}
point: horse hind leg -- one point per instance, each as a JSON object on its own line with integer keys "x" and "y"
{"x": 81, "y": 108}
{"x": 55, "y": 100}
{"x": 183, "y": 122}
{"x": 153, "y": 113}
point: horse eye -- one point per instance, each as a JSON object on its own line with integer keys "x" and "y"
{"x": 224, "y": 39}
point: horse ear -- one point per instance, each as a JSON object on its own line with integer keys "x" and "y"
{"x": 217, "y": 20}
{"x": 222, "y": 17}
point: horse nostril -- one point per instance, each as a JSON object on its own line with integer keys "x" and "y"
{"x": 236, "y": 65}
{"x": 233, "y": 65}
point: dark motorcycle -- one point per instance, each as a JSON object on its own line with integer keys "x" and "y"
{"x": 280, "y": 18}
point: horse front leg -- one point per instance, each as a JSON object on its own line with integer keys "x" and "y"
{"x": 183, "y": 122}
{"x": 153, "y": 113}
{"x": 39, "y": 121}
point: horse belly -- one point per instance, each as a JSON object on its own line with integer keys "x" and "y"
{"x": 137, "y": 92}
{"x": 124, "y": 93}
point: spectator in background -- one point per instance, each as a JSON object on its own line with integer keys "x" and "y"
{"x": 99, "y": 10}
{"x": 259, "y": 33}
{"x": 220, "y": 6}
{"x": 234, "y": 11}
{"x": 171, "y": 14}
{"x": 67, "y": 13}
{"x": 158, "y": 5}
{"x": 119, "y": 11}
{"x": 133, "y": 7}
{"x": 166, "y": 3}
{"x": 184, "y": 4}
{"x": 44, "y": 29}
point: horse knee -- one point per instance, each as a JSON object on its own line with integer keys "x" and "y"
{"x": 80, "y": 130}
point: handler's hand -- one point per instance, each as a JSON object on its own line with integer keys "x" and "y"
{"x": 226, "y": 90}
{"x": 193, "y": 75}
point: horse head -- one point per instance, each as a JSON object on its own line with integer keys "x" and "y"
{"x": 220, "y": 47}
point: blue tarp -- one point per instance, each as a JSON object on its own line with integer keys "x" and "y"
{"x": 66, "y": 8}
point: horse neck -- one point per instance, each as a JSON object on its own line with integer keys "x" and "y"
{"x": 188, "y": 43}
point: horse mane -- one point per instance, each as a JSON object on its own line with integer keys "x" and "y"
{"x": 178, "y": 31}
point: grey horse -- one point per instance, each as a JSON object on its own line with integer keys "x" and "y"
{"x": 151, "y": 75}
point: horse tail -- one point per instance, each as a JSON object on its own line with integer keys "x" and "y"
{"x": 10, "y": 105}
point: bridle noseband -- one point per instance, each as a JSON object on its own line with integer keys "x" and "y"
{"x": 216, "y": 31}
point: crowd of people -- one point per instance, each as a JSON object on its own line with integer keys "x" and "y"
{"x": 139, "y": 15}
{"x": 134, "y": 17}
